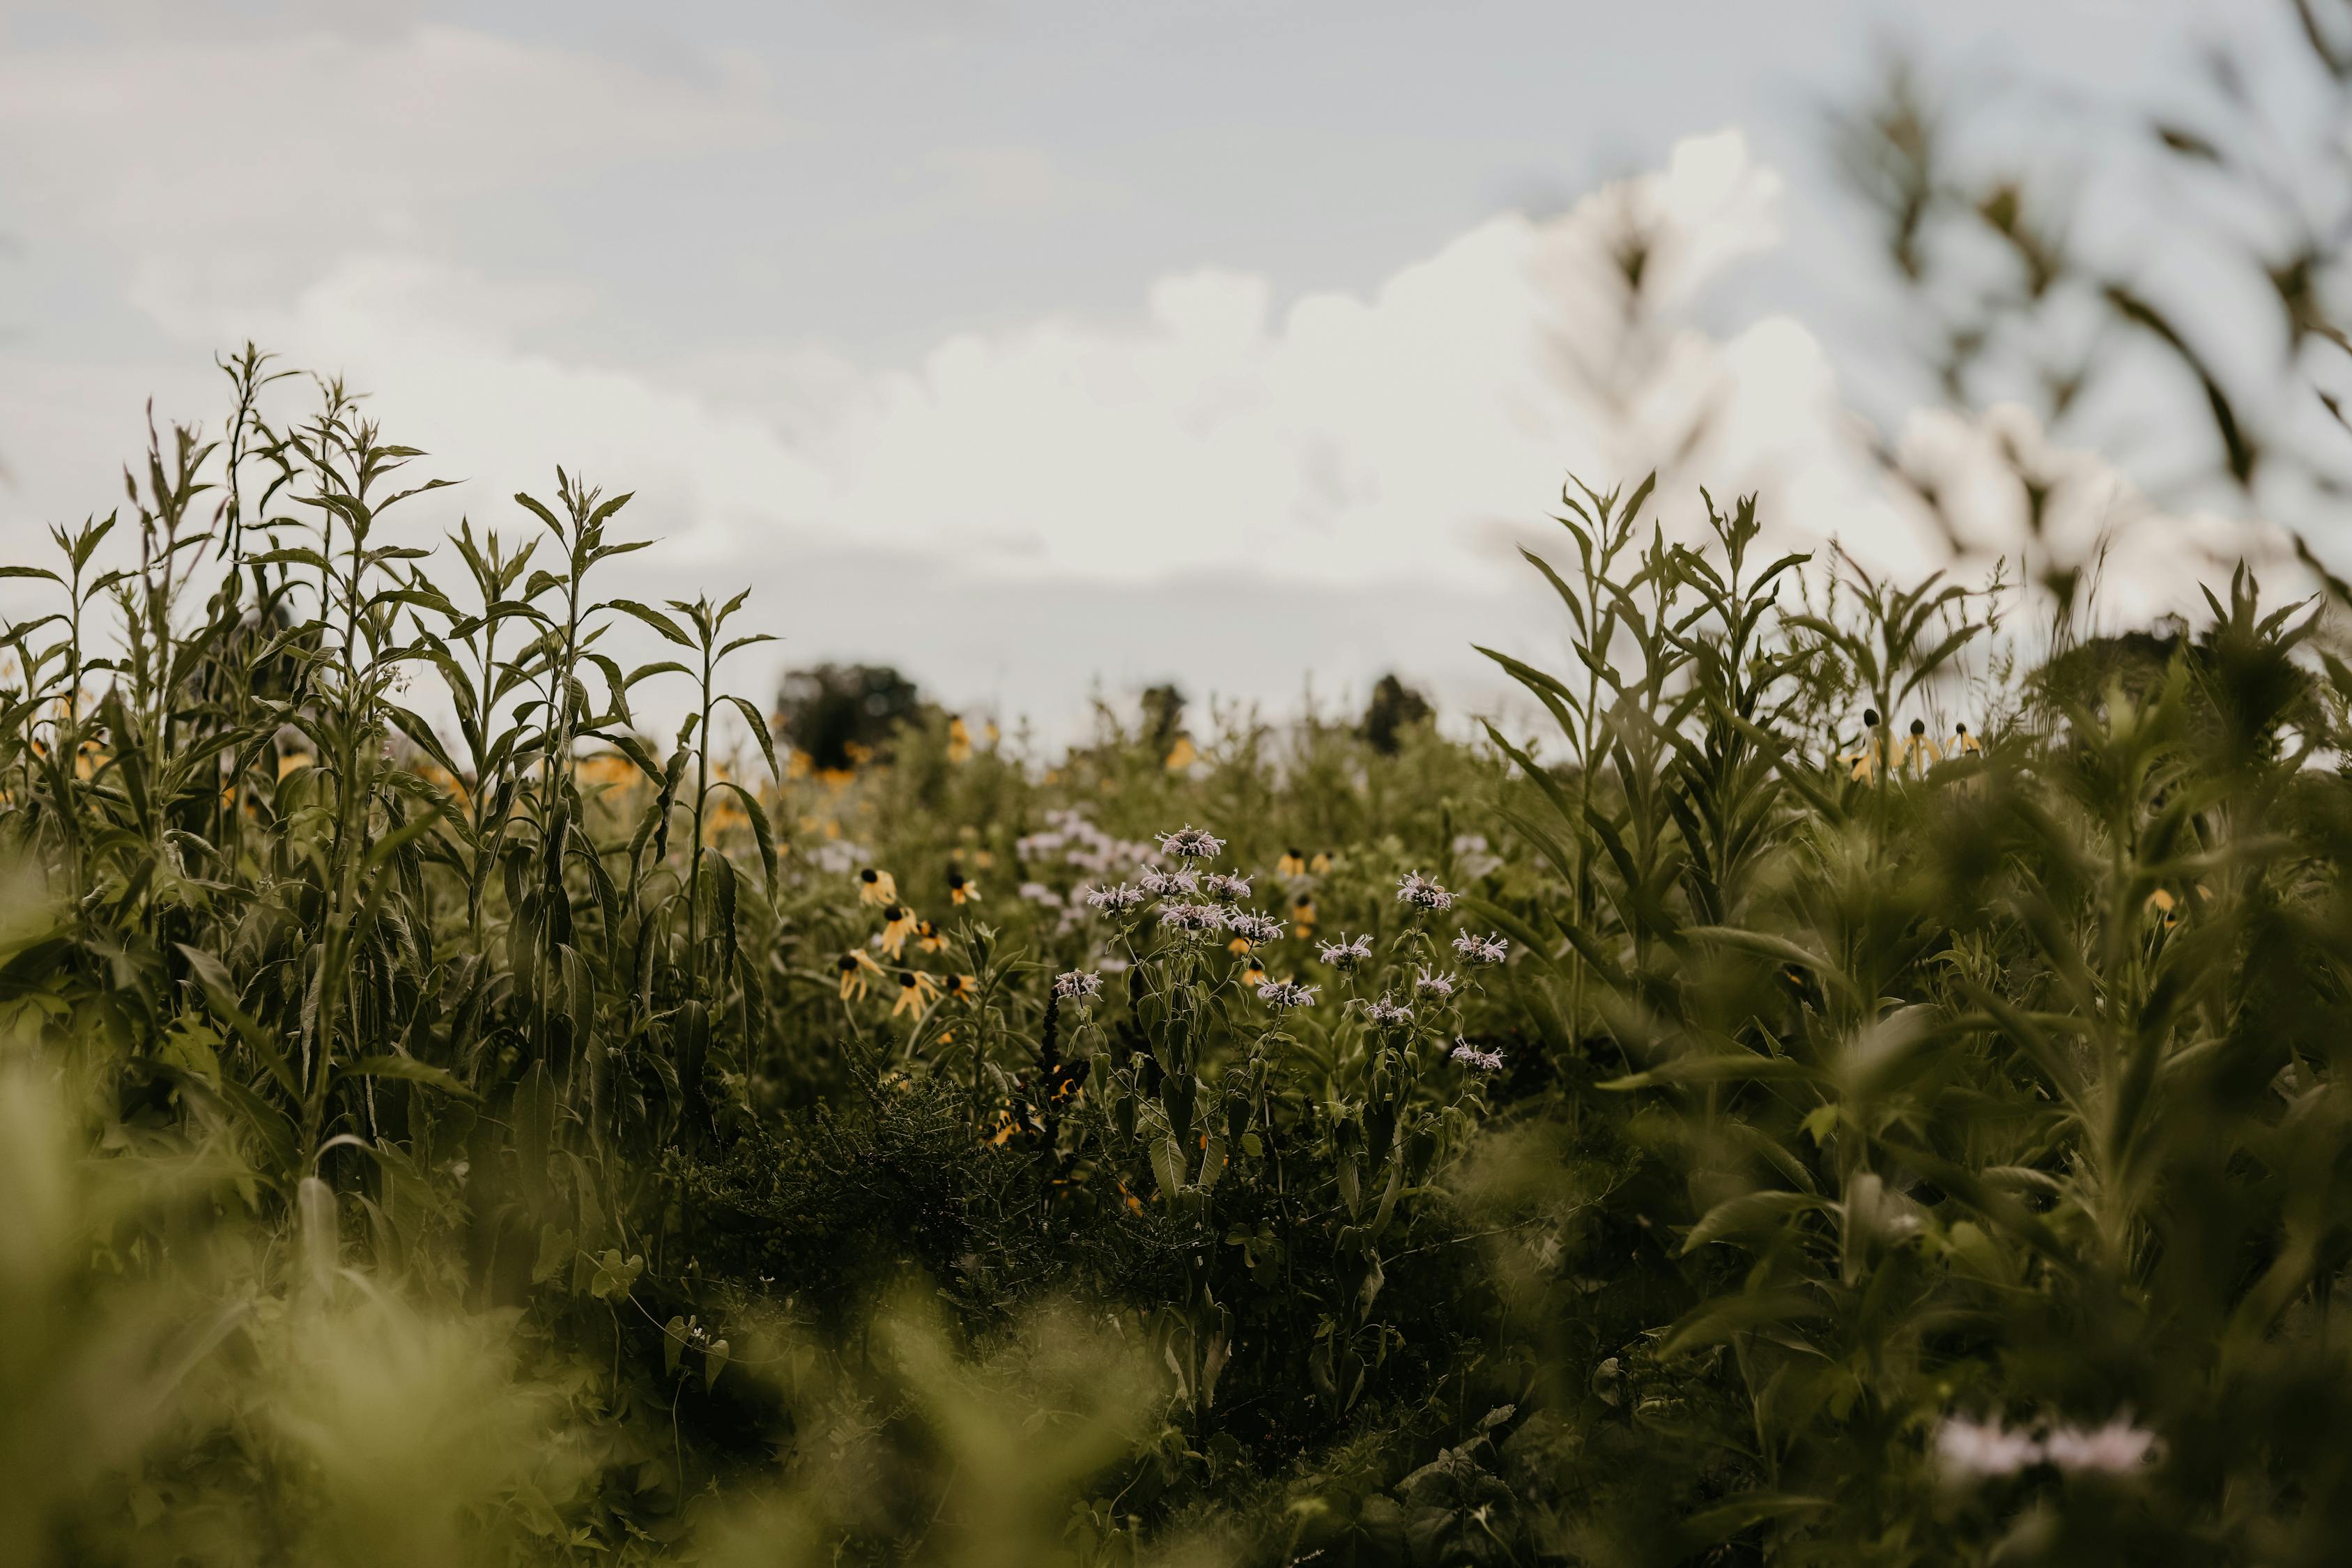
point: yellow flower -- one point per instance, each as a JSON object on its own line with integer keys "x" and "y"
{"x": 1254, "y": 972}
{"x": 984, "y": 859}
{"x": 964, "y": 988}
{"x": 1321, "y": 864}
{"x": 959, "y": 742}
{"x": 287, "y": 763}
{"x": 915, "y": 990}
{"x": 928, "y": 937}
{"x": 797, "y": 764}
{"x": 876, "y": 887}
{"x": 1963, "y": 744}
{"x": 1239, "y": 944}
{"x": 853, "y": 968}
{"x": 1302, "y": 914}
{"x": 1182, "y": 755}
{"x": 1292, "y": 864}
{"x": 959, "y": 888}
{"x": 898, "y": 923}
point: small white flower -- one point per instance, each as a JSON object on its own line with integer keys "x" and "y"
{"x": 1191, "y": 843}
{"x": 1437, "y": 985}
{"x": 1225, "y": 890}
{"x": 1287, "y": 994}
{"x": 1077, "y": 985}
{"x": 1255, "y": 929}
{"x": 1345, "y": 954}
{"x": 1974, "y": 1451}
{"x": 1159, "y": 881}
{"x": 1421, "y": 894}
{"x": 1038, "y": 893}
{"x": 1471, "y": 1055}
{"x": 1116, "y": 900}
{"x": 2118, "y": 1448}
{"x": 1388, "y": 1014}
{"x": 1192, "y": 916}
{"x": 1482, "y": 949}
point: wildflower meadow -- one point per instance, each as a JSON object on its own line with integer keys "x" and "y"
{"x": 1842, "y": 1072}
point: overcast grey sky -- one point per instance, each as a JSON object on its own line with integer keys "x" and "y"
{"x": 1023, "y": 343}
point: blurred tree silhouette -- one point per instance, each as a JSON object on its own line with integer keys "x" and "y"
{"x": 840, "y": 713}
{"x": 1394, "y": 708}
{"x": 1163, "y": 713}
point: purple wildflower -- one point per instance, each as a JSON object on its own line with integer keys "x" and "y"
{"x": 1192, "y": 916}
{"x": 1471, "y": 1055}
{"x": 1191, "y": 843}
{"x": 1225, "y": 890}
{"x": 1386, "y": 1013}
{"x": 1438, "y": 986}
{"x": 1253, "y": 928}
{"x": 1155, "y": 880}
{"x": 1421, "y": 894}
{"x": 1077, "y": 985}
{"x": 2118, "y": 1448}
{"x": 1478, "y": 949}
{"x": 1345, "y": 954}
{"x": 1116, "y": 900}
{"x": 1287, "y": 994}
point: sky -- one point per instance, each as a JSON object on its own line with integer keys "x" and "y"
{"x": 1042, "y": 349}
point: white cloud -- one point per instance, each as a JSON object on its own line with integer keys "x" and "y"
{"x": 1216, "y": 488}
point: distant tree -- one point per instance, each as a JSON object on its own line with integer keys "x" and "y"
{"x": 1394, "y": 708}
{"x": 1163, "y": 713}
{"x": 838, "y": 713}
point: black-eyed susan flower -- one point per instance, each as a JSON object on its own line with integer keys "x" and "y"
{"x": 1182, "y": 754}
{"x": 855, "y": 969}
{"x": 915, "y": 990}
{"x": 964, "y": 988}
{"x": 1963, "y": 744}
{"x": 1864, "y": 761}
{"x": 1919, "y": 750}
{"x": 1302, "y": 915}
{"x": 1321, "y": 863}
{"x": 961, "y": 888}
{"x": 898, "y": 923}
{"x": 959, "y": 742}
{"x": 876, "y": 887}
{"x": 1292, "y": 864}
{"x": 928, "y": 938}
{"x": 1254, "y": 972}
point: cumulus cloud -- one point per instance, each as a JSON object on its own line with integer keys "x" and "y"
{"x": 1223, "y": 486}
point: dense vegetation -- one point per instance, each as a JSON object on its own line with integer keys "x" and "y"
{"x": 1749, "y": 1127}
{"x": 1856, "y": 1083}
